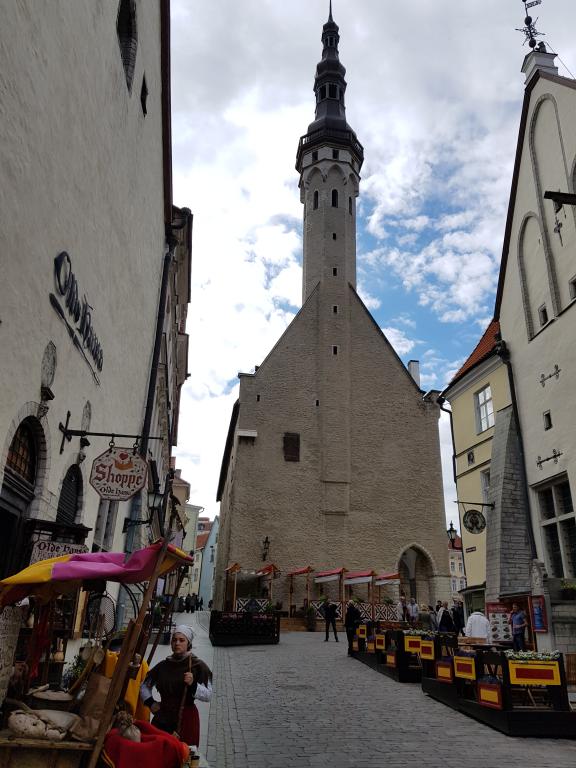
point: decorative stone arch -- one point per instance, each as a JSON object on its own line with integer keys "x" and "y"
{"x": 70, "y": 461}
{"x": 311, "y": 177}
{"x": 337, "y": 168}
{"x": 527, "y": 304}
{"x": 550, "y": 266}
{"x": 352, "y": 182}
{"x": 417, "y": 570}
{"x": 37, "y": 419}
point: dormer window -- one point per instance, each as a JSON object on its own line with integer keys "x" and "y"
{"x": 322, "y": 92}
{"x": 332, "y": 91}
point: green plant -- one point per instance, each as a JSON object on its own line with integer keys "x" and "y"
{"x": 73, "y": 671}
{"x": 568, "y": 585}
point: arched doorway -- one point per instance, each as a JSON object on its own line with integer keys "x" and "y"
{"x": 18, "y": 489}
{"x": 416, "y": 574}
{"x": 70, "y": 496}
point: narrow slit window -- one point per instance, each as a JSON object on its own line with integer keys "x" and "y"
{"x": 335, "y": 349}
{"x": 257, "y": 398}
{"x": 333, "y": 235}
{"x": 334, "y": 198}
{"x": 314, "y": 156}
{"x": 315, "y": 203}
{"x": 317, "y": 403}
{"x": 543, "y": 314}
{"x": 335, "y": 271}
{"x": 335, "y": 154}
{"x": 350, "y": 206}
{"x": 335, "y": 309}
{"x": 144, "y": 96}
{"x": 547, "y": 420}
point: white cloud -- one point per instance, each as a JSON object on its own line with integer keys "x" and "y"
{"x": 401, "y": 343}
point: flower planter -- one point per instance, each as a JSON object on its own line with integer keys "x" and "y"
{"x": 534, "y": 672}
{"x": 465, "y": 667}
{"x": 391, "y": 659}
{"x": 489, "y": 695}
{"x": 444, "y": 671}
{"x": 380, "y": 642}
{"x": 412, "y": 643}
{"x": 427, "y": 650}
{"x": 362, "y": 631}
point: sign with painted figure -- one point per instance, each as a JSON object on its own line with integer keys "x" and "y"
{"x": 118, "y": 474}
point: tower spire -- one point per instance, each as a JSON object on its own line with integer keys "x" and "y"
{"x": 330, "y": 13}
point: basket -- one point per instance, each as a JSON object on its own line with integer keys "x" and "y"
{"x": 59, "y": 700}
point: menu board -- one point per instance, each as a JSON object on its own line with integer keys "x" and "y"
{"x": 500, "y": 629}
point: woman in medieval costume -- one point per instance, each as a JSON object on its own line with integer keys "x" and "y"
{"x": 179, "y": 679}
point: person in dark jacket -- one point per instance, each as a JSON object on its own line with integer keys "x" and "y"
{"x": 351, "y": 622}
{"x": 445, "y": 623}
{"x": 330, "y": 612}
{"x": 458, "y": 617}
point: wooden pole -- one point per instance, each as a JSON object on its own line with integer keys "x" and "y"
{"x": 271, "y": 585}
{"x": 168, "y": 612}
{"x": 235, "y": 586}
{"x": 307, "y": 590}
{"x": 124, "y": 659}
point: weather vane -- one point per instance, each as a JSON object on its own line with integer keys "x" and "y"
{"x": 530, "y": 32}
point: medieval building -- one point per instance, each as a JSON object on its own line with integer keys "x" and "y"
{"x": 332, "y": 458}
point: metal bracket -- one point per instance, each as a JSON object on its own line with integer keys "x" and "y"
{"x": 68, "y": 434}
{"x": 555, "y": 456}
{"x": 556, "y": 372}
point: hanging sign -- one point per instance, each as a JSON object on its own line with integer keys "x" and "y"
{"x": 118, "y": 474}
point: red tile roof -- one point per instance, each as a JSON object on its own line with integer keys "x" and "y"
{"x": 483, "y": 349}
{"x": 201, "y": 540}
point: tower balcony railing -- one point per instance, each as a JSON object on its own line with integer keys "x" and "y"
{"x": 346, "y": 138}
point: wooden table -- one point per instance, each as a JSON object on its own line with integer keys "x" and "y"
{"x": 18, "y": 752}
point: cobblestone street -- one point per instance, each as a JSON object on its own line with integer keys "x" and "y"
{"x": 305, "y": 704}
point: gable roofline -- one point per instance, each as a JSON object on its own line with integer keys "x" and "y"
{"x": 228, "y": 450}
{"x": 485, "y": 348}
{"x": 569, "y": 83}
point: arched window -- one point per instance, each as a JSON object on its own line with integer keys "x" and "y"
{"x": 22, "y": 453}
{"x": 334, "y": 198}
{"x": 70, "y": 496}
{"x": 350, "y": 206}
{"x": 315, "y": 203}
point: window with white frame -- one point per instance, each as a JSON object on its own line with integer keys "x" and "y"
{"x": 484, "y": 409}
{"x": 558, "y": 523}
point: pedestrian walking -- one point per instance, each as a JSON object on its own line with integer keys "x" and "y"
{"x": 330, "y": 612}
{"x": 201, "y": 604}
{"x": 180, "y": 679}
{"x": 402, "y": 609}
{"x": 518, "y": 622}
{"x": 478, "y": 626}
{"x": 351, "y": 623}
{"x": 412, "y": 612}
{"x": 433, "y": 618}
{"x": 458, "y": 617}
{"x": 188, "y": 603}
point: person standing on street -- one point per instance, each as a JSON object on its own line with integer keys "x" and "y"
{"x": 458, "y": 617}
{"x": 413, "y": 612}
{"x": 518, "y": 622}
{"x": 445, "y": 623}
{"x": 351, "y": 622}
{"x": 330, "y": 611}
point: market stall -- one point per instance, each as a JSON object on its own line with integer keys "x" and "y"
{"x": 35, "y": 737}
{"x": 299, "y": 572}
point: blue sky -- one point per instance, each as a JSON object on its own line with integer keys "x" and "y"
{"x": 434, "y": 94}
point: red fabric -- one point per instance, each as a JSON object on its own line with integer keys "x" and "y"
{"x": 299, "y": 571}
{"x": 329, "y": 573}
{"x": 190, "y": 726}
{"x": 157, "y": 748}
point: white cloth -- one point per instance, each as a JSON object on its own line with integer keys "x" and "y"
{"x": 185, "y": 630}
{"x": 478, "y": 626}
{"x": 203, "y": 692}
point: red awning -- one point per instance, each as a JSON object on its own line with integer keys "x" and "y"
{"x": 359, "y": 577}
{"x": 328, "y": 575}
{"x": 301, "y": 571}
{"x": 234, "y": 568}
{"x": 267, "y": 570}
{"x": 387, "y": 578}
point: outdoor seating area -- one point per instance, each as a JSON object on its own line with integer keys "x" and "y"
{"x": 517, "y": 693}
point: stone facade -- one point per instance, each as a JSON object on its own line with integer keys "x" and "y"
{"x": 333, "y": 450}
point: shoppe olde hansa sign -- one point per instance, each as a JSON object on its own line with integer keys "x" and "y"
{"x": 118, "y": 474}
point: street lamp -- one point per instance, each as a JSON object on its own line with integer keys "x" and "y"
{"x": 452, "y": 533}
{"x": 155, "y": 501}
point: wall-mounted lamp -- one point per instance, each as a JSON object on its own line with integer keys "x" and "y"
{"x": 265, "y": 548}
{"x": 452, "y": 533}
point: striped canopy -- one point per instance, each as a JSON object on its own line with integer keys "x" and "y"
{"x": 59, "y": 575}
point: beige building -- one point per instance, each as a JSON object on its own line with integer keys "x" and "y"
{"x": 457, "y": 572}
{"x": 476, "y": 394}
{"x": 332, "y": 457}
{"x": 535, "y": 307}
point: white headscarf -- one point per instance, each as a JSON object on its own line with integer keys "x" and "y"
{"x": 184, "y": 629}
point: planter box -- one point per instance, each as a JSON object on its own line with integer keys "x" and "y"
{"x": 489, "y": 695}
{"x": 444, "y": 672}
{"x": 412, "y": 643}
{"x": 427, "y": 650}
{"x": 465, "y": 667}
{"x": 380, "y": 642}
{"x": 362, "y": 631}
{"x": 534, "y": 672}
{"x": 391, "y": 659}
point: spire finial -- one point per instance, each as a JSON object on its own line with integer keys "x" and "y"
{"x": 330, "y": 13}
{"x": 530, "y": 32}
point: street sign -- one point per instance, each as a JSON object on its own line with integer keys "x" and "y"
{"x": 533, "y": 3}
{"x": 118, "y": 474}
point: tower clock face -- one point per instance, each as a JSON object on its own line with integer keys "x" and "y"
{"x": 474, "y": 521}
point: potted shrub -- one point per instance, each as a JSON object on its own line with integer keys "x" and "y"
{"x": 568, "y": 589}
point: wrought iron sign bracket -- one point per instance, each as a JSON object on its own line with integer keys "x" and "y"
{"x": 555, "y": 456}
{"x": 556, "y": 372}
{"x": 68, "y": 434}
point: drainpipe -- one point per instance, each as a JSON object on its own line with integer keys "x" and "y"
{"x": 441, "y": 400}
{"x": 501, "y": 350}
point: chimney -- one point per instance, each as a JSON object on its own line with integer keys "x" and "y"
{"x": 539, "y": 60}
{"x": 414, "y": 370}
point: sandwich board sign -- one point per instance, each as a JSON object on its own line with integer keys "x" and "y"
{"x": 118, "y": 474}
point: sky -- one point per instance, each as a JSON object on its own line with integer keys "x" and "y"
{"x": 434, "y": 95}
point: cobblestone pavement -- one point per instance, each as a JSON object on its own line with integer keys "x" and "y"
{"x": 305, "y": 704}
